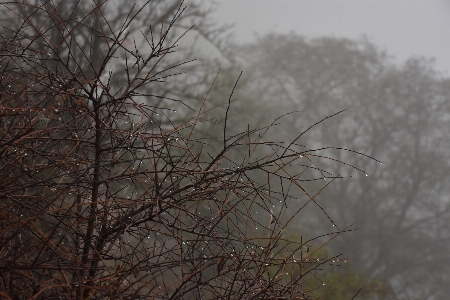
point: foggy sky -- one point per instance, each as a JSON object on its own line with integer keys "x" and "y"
{"x": 404, "y": 28}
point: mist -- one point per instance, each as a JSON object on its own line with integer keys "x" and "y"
{"x": 386, "y": 64}
{"x": 225, "y": 149}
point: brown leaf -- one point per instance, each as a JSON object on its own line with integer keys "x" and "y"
{"x": 81, "y": 104}
{"x": 220, "y": 265}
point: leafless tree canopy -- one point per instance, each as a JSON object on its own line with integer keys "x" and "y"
{"x": 396, "y": 113}
{"x": 104, "y": 195}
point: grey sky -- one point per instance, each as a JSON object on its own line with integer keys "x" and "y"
{"x": 404, "y": 28}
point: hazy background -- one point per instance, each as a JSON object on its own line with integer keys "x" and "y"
{"x": 397, "y": 110}
{"x": 318, "y": 58}
{"x": 404, "y": 28}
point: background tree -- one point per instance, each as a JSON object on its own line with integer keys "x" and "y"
{"x": 135, "y": 21}
{"x": 398, "y": 114}
{"x": 104, "y": 196}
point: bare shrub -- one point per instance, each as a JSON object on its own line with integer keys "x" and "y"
{"x": 103, "y": 196}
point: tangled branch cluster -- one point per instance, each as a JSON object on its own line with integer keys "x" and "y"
{"x": 102, "y": 196}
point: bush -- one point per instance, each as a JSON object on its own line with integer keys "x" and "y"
{"x": 103, "y": 196}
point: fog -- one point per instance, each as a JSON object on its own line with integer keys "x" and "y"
{"x": 322, "y": 124}
{"x": 386, "y": 63}
{"x": 403, "y": 27}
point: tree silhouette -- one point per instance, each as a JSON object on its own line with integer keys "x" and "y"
{"x": 396, "y": 113}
